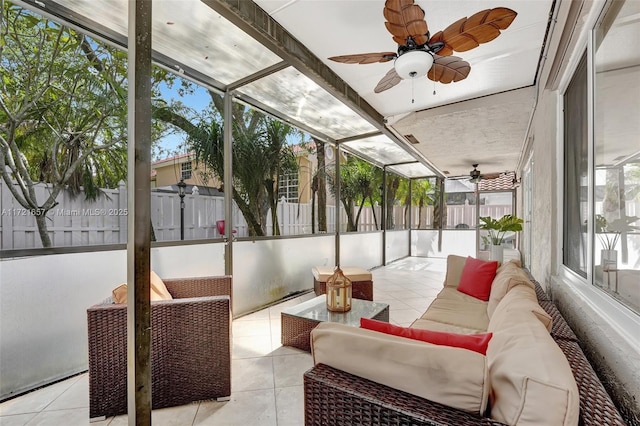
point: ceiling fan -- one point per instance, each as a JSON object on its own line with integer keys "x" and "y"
{"x": 475, "y": 175}
{"x": 421, "y": 54}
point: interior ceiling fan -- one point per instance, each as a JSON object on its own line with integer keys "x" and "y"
{"x": 475, "y": 174}
{"x": 421, "y": 54}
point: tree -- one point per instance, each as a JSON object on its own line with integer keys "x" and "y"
{"x": 261, "y": 155}
{"x": 357, "y": 185}
{"x": 62, "y": 112}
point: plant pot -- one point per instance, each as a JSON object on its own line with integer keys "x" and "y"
{"x": 609, "y": 259}
{"x": 497, "y": 253}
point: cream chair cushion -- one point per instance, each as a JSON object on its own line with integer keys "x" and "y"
{"x": 354, "y": 273}
{"x": 157, "y": 288}
{"x": 452, "y": 376}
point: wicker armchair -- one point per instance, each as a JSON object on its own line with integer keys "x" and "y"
{"x": 190, "y": 347}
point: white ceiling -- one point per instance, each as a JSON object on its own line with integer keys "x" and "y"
{"x": 482, "y": 119}
{"x": 490, "y": 132}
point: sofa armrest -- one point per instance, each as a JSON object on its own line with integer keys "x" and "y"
{"x": 451, "y": 376}
{"x": 334, "y": 397}
{"x": 199, "y": 286}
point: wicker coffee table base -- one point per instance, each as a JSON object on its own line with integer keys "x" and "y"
{"x": 296, "y": 330}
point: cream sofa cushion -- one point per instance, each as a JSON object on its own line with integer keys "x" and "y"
{"x": 462, "y": 313}
{"x": 455, "y": 265}
{"x": 452, "y": 376}
{"x": 158, "y": 290}
{"x": 520, "y": 298}
{"x": 425, "y": 324}
{"x": 508, "y": 276}
{"x": 531, "y": 380}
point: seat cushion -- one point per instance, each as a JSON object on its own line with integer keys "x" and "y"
{"x": 451, "y": 376}
{"x": 354, "y": 273}
{"x": 474, "y": 342}
{"x": 469, "y": 313}
{"x": 425, "y": 324}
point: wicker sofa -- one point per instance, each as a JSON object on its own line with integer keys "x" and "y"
{"x": 190, "y": 348}
{"x": 363, "y": 390}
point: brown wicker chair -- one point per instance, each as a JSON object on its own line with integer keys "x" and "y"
{"x": 190, "y": 348}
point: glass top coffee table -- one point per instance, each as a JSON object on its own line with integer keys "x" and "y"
{"x": 299, "y": 320}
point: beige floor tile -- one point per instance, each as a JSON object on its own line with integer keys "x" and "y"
{"x": 77, "y": 396}
{"x": 290, "y": 406}
{"x": 251, "y": 328}
{"x": 251, "y": 347}
{"x": 251, "y": 374}
{"x": 17, "y": 419}
{"x": 73, "y": 417}
{"x": 288, "y": 369}
{"x": 182, "y": 415}
{"x": 244, "y": 408}
{"x": 36, "y": 401}
{"x": 404, "y": 316}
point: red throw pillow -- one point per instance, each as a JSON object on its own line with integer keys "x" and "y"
{"x": 473, "y": 342}
{"x": 477, "y": 276}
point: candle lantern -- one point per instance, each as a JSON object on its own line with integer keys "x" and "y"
{"x": 338, "y": 292}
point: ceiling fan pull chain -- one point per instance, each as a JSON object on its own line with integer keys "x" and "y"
{"x": 434, "y": 80}
{"x": 412, "y": 86}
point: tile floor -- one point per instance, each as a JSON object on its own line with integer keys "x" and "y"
{"x": 266, "y": 377}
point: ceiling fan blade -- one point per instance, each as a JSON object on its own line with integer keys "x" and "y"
{"x": 365, "y": 58}
{"x": 388, "y": 81}
{"x": 447, "y": 69}
{"x": 469, "y": 33}
{"x": 491, "y": 176}
{"x": 405, "y": 19}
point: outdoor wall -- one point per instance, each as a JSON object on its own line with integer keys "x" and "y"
{"x": 608, "y": 331}
{"x": 43, "y": 303}
{"x": 265, "y": 271}
{"x": 397, "y": 245}
{"x": 424, "y": 243}
{"x": 363, "y": 250}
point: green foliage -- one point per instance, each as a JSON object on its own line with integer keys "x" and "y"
{"x": 358, "y": 185}
{"x": 609, "y": 232}
{"x": 499, "y": 227}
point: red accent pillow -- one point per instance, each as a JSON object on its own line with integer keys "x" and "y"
{"x": 477, "y": 276}
{"x": 472, "y": 342}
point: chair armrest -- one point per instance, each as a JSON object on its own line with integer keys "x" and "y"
{"x": 190, "y": 353}
{"x": 199, "y": 286}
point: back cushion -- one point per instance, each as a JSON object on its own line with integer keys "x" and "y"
{"x": 531, "y": 380}
{"x": 454, "y": 270}
{"x": 521, "y": 298}
{"x": 508, "y": 276}
{"x": 158, "y": 290}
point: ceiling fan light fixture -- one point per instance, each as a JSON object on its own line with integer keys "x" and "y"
{"x": 413, "y": 64}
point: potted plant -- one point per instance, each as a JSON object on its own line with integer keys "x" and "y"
{"x": 498, "y": 229}
{"x": 609, "y": 234}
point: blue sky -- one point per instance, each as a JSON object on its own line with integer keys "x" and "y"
{"x": 198, "y": 100}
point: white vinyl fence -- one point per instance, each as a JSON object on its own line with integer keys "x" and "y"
{"x": 78, "y": 222}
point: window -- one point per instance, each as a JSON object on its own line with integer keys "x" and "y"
{"x": 576, "y": 171}
{"x": 288, "y": 187}
{"x": 616, "y": 192}
{"x": 185, "y": 170}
